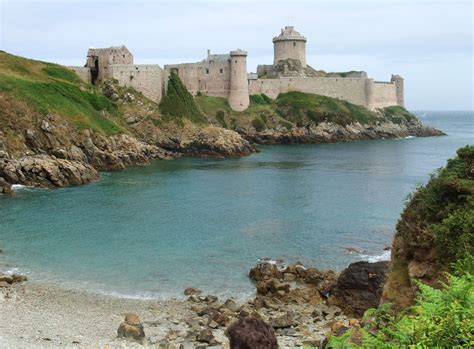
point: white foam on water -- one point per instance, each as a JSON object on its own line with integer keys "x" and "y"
{"x": 384, "y": 256}
{"x": 408, "y": 137}
{"x": 21, "y": 187}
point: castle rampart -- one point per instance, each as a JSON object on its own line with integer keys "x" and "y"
{"x": 149, "y": 79}
{"x": 225, "y": 75}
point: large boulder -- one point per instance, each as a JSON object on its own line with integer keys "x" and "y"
{"x": 131, "y": 328}
{"x": 360, "y": 287}
{"x": 264, "y": 271}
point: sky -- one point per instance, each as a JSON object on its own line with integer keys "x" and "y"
{"x": 429, "y": 43}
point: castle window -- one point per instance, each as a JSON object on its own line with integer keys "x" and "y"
{"x": 123, "y": 55}
{"x": 207, "y": 70}
{"x": 221, "y": 70}
{"x": 235, "y": 61}
{"x": 294, "y": 44}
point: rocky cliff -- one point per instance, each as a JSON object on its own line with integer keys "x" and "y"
{"x": 435, "y": 230}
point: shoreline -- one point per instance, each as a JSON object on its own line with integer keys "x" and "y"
{"x": 293, "y": 298}
{"x": 40, "y": 315}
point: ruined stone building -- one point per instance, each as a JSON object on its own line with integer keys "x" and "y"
{"x": 225, "y": 75}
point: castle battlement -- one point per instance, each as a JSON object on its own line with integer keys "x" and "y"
{"x": 225, "y": 75}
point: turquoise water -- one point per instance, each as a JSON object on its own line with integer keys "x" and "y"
{"x": 152, "y": 231}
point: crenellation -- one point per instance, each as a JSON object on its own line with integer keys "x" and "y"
{"x": 225, "y": 75}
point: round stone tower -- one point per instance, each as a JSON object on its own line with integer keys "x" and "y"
{"x": 239, "y": 88}
{"x": 398, "y": 81}
{"x": 289, "y": 45}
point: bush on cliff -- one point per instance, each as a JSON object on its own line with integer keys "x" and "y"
{"x": 431, "y": 281}
{"x": 178, "y": 102}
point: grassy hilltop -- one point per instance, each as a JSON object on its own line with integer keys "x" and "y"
{"x": 44, "y": 88}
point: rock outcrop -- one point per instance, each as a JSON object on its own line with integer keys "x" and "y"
{"x": 131, "y": 328}
{"x": 215, "y": 142}
{"x": 330, "y": 133}
{"x": 46, "y": 171}
{"x": 359, "y": 287}
{"x": 6, "y": 280}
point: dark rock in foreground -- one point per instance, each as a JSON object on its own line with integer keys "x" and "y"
{"x": 360, "y": 287}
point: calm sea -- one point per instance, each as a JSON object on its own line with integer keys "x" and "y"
{"x": 152, "y": 231}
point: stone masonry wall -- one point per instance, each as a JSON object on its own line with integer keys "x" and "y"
{"x": 210, "y": 78}
{"x": 359, "y": 91}
{"x": 352, "y": 90}
{"x": 384, "y": 94}
{"x": 83, "y": 72}
{"x": 293, "y": 49}
{"x": 148, "y": 79}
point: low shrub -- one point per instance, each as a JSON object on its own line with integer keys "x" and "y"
{"x": 258, "y": 124}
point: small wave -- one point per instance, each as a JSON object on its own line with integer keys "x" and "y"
{"x": 21, "y": 187}
{"x": 12, "y": 271}
{"x": 408, "y": 137}
{"x": 384, "y": 256}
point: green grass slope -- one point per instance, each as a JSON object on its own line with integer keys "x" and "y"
{"x": 47, "y": 88}
{"x": 295, "y": 109}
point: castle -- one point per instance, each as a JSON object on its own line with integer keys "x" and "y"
{"x": 225, "y": 75}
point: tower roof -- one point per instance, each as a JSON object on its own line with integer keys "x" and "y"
{"x": 289, "y": 33}
{"x": 238, "y": 52}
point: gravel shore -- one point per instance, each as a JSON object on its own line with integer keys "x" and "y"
{"x": 44, "y": 316}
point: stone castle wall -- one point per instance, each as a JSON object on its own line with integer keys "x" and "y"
{"x": 83, "y": 72}
{"x": 149, "y": 79}
{"x": 384, "y": 94}
{"x": 211, "y": 78}
{"x": 289, "y": 49}
{"x": 352, "y": 90}
{"x": 99, "y": 60}
{"x": 225, "y": 75}
{"x": 359, "y": 91}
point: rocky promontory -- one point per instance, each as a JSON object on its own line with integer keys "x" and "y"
{"x": 331, "y": 133}
{"x": 56, "y": 130}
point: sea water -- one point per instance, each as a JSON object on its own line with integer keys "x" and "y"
{"x": 151, "y": 231}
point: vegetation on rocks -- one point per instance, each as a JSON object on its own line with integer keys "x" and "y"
{"x": 435, "y": 229}
{"x": 297, "y": 109}
{"x": 440, "y": 318}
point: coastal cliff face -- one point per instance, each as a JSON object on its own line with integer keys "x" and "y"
{"x": 56, "y": 130}
{"x": 435, "y": 230}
